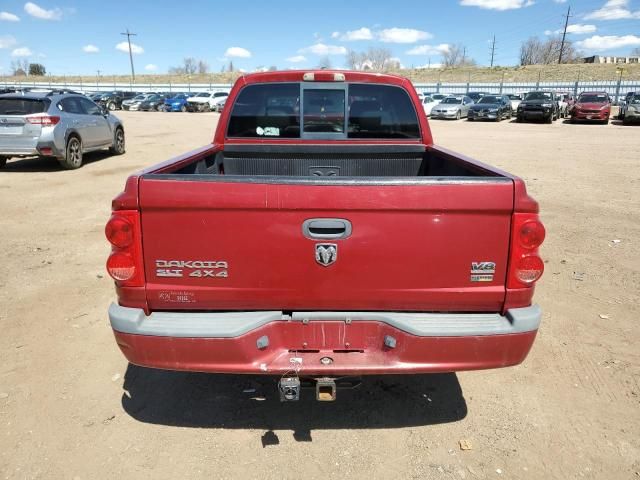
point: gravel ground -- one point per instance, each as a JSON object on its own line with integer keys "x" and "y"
{"x": 71, "y": 406}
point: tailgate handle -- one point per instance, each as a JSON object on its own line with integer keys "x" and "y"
{"x": 326, "y": 228}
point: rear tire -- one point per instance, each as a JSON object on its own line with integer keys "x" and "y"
{"x": 549, "y": 119}
{"x": 3, "y": 161}
{"x": 118, "y": 142}
{"x": 183, "y": 108}
{"x": 73, "y": 158}
{"x": 111, "y": 106}
{"x": 458, "y": 115}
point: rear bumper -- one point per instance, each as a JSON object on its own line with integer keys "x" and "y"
{"x": 584, "y": 116}
{"x": 358, "y": 343}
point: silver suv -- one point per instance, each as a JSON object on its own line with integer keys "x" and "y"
{"x": 56, "y": 124}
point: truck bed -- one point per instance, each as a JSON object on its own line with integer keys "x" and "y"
{"x": 325, "y": 162}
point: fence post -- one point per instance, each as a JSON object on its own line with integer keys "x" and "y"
{"x": 501, "y": 83}
{"x": 468, "y": 81}
{"x": 618, "y": 84}
{"x": 538, "y": 82}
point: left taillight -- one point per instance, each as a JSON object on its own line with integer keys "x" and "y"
{"x": 44, "y": 120}
{"x": 525, "y": 265}
{"x": 124, "y": 264}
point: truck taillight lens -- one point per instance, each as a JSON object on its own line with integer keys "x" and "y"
{"x": 532, "y": 234}
{"x": 525, "y": 265}
{"x": 119, "y": 232}
{"x": 529, "y": 269}
{"x": 121, "y": 266}
{"x": 124, "y": 264}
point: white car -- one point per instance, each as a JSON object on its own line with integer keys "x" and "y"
{"x": 428, "y": 103}
{"x": 206, "y": 101}
{"x": 515, "y": 98}
{"x": 563, "y": 106}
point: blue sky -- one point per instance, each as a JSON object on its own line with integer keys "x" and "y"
{"x": 81, "y": 37}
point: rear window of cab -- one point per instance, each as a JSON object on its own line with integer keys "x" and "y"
{"x": 331, "y": 111}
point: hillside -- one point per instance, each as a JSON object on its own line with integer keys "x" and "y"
{"x": 544, "y": 73}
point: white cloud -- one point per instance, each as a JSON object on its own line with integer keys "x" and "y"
{"x": 497, "y": 4}
{"x": 429, "y": 49}
{"x": 9, "y": 17}
{"x": 360, "y": 34}
{"x": 41, "y": 13}
{"x": 402, "y": 35}
{"x": 577, "y": 28}
{"x": 7, "y": 41}
{"x": 22, "y": 52}
{"x": 613, "y": 10}
{"x": 238, "y": 52}
{"x": 90, "y": 49}
{"x": 124, "y": 47}
{"x": 430, "y": 65}
{"x": 150, "y": 67}
{"x": 297, "y": 59}
{"x": 322, "y": 49}
{"x": 608, "y": 42}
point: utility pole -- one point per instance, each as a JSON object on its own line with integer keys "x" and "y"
{"x": 129, "y": 35}
{"x": 98, "y": 78}
{"x": 464, "y": 55}
{"x": 493, "y": 49}
{"x": 564, "y": 34}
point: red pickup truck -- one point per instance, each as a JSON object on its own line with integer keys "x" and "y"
{"x": 320, "y": 235}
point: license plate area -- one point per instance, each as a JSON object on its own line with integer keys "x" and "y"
{"x": 323, "y": 335}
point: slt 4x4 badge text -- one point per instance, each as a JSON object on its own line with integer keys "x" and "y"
{"x": 192, "y": 268}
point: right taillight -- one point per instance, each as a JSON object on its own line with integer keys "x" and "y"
{"x": 124, "y": 264}
{"x": 525, "y": 265}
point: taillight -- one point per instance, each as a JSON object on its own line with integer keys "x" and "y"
{"x": 525, "y": 265}
{"x": 125, "y": 262}
{"x": 44, "y": 120}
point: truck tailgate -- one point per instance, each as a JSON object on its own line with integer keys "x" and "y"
{"x": 424, "y": 245}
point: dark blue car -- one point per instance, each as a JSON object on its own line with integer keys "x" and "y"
{"x": 177, "y": 103}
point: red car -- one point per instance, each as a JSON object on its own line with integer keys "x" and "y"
{"x": 320, "y": 235}
{"x": 592, "y": 106}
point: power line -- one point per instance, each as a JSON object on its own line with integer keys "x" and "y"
{"x": 493, "y": 49}
{"x": 564, "y": 34}
{"x": 129, "y": 35}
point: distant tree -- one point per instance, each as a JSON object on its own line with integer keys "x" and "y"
{"x": 19, "y": 68}
{"x": 203, "y": 67}
{"x": 37, "y": 69}
{"x": 230, "y": 69}
{"x": 189, "y": 65}
{"x": 456, "y": 56}
{"x": 273, "y": 68}
{"x": 635, "y": 52}
{"x": 379, "y": 59}
{"x": 356, "y": 60}
{"x": 325, "y": 62}
{"x": 534, "y": 51}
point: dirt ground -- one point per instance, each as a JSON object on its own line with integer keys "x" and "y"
{"x": 71, "y": 407}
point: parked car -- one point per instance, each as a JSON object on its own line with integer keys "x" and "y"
{"x": 205, "y": 101}
{"x": 177, "y": 102}
{"x": 438, "y": 97}
{"x": 632, "y": 109}
{"x": 566, "y": 101}
{"x": 428, "y": 103}
{"x": 491, "y": 107}
{"x": 153, "y": 103}
{"x": 538, "y": 105}
{"x": 592, "y": 106}
{"x": 475, "y": 96}
{"x": 330, "y": 215}
{"x": 625, "y": 104}
{"x": 63, "y": 126}
{"x": 515, "y": 99}
{"x": 134, "y": 103}
{"x": 113, "y": 100}
{"x": 454, "y": 107}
